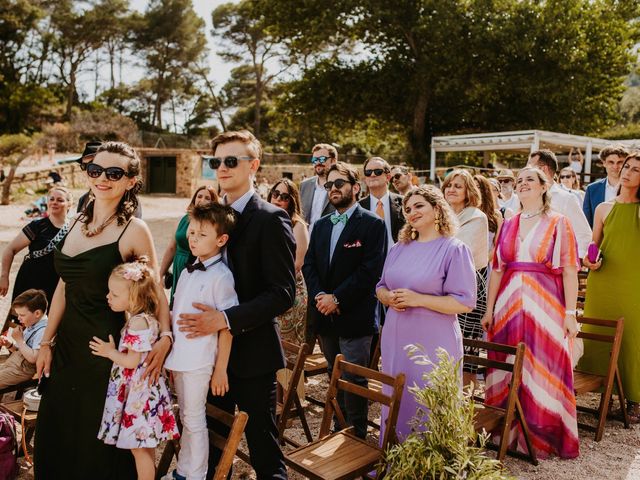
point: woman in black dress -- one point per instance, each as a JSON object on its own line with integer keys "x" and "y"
{"x": 40, "y": 236}
{"x": 103, "y": 236}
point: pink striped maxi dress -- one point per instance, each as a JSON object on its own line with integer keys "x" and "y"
{"x": 530, "y": 308}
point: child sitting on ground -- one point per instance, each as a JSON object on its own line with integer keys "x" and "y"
{"x": 137, "y": 413}
{"x": 207, "y": 281}
{"x": 24, "y": 341}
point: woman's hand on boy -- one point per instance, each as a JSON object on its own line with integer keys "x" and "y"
{"x": 102, "y": 348}
{"x": 219, "y": 382}
{"x": 208, "y": 322}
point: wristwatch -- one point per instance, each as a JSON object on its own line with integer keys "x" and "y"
{"x": 571, "y": 312}
{"x": 335, "y": 299}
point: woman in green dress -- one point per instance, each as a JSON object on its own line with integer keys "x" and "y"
{"x": 613, "y": 283}
{"x": 177, "y": 253}
{"x": 74, "y": 382}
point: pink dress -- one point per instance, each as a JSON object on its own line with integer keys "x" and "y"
{"x": 136, "y": 414}
{"x": 530, "y": 308}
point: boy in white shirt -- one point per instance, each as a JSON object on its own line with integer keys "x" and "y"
{"x": 207, "y": 281}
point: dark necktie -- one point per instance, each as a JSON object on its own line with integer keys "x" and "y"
{"x": 195, "y": 266}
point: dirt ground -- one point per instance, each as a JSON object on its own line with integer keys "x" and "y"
{"x": 616, "y": 457}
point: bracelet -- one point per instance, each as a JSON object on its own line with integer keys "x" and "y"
{"x": 47, "y": 343}
{"x": 167, "y": 334}
{"x": 571, "y": 312}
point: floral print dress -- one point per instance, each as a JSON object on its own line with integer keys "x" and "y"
{"x": 137, "y": 415}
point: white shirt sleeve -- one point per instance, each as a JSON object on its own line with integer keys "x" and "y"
{"x": 573, "y": 211}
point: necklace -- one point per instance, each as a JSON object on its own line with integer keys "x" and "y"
{"x": 530, "y": 215}
{"x": 97, "y": 230}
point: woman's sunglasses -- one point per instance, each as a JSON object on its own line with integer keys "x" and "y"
{"x": 398, "y": 176}
{"x": 376, "y": 171}
{"x": 562, "y": 177}
{"x": 112, "y": 173}
{"x": 339, "y": 183}
{"x": 229, "y": 162}
{"x": 284, "y": 196}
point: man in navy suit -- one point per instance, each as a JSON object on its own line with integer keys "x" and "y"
{"x": 603, "y": 190}
{"x": 342, "y": 267}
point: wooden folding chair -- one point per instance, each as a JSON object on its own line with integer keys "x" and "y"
{"x": 228, "y": 444}
{"x": 489, "y": 417}
{"x": 342, "y": 455}
{"x": 584, "y": 382}
{"x": 314, "y": 364}
{"x": 290, "y": 406}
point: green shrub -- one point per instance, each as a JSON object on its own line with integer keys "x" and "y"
{"x": 442, "y": 443}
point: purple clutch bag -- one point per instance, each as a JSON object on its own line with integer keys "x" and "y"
{"x": 593, "y": 253}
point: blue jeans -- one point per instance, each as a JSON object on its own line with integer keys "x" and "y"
{"x": 355, "y": 350}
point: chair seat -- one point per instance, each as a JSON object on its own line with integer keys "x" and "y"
{"x": 338, "y": 456}
{"x": 587, "y": 382}
{"x": 315, "y": 364}
{"x": 488, "y": 418}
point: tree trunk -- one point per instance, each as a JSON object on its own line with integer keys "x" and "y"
{"x": 257, "y": 120}
{"x": 6, "y": 185}
{"x": 418, "y": 134}
{"x": 71, "y": 92}
{"x": 112, "y": 66}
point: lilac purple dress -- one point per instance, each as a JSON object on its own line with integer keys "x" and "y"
{"x": 441, "y": 267}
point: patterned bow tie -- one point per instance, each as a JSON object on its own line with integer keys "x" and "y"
{"x": 195, "y": 266}
{"x": 335, "y": 218}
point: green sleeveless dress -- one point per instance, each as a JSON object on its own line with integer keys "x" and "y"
{"x": 66, "y": 442}
{"x": 183, "y": 253}
{"x": 613, "y": 292}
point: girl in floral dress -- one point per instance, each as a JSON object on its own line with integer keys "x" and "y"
{"x": 137, "y": 415}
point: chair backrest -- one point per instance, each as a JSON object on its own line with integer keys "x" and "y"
{"x": 295, "y": 356}
{"x": 615, "y": 339}
{"x": 228, "y": 445}
{"x": 392, "y": 401}
{"x": 501, "y": 354}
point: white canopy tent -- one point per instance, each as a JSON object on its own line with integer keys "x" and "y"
{"x": 519, "y": 141}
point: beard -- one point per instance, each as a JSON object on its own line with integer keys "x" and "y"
{"x": 321, "y": 170}
{"x": 507, "y": 189}
{"x": 343, "y": 201}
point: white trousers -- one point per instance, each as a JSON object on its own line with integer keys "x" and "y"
{"x": 192, "y": 388}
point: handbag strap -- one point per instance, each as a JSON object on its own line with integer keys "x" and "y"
{"x": 52, "y": 244}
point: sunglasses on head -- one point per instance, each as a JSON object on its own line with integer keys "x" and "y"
{"x": 321, "y": 159}
{"x": 375, "y": 171}
{"x": 230, "y": 162}
{"x": 505, "y": 180}
{"x": 112, "y": 173}
{"x": 339, "y": 183}
{"x": 562, "y": 177}
{"x": 284, "y": 196}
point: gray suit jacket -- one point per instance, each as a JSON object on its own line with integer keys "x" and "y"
{"x": 307, "y": 189}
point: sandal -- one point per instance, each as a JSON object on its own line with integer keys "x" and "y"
{"x": 633, "y": 410}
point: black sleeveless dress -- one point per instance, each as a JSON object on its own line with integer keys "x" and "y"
{"x": 66, "y": 443}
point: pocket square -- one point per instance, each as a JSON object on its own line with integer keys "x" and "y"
{"x": 355, "y": 244}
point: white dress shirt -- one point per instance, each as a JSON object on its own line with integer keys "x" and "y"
{"x": 240, "y": 204}
{"x": 512, "y": 204}
{"x": 610, "y": 191}
{"x": 213, "y": 287}
{"x": 373, "y": 205}
{"x": 338, "y": 228}
{"x": 317, "y": 205}
{"x": 568, "y": 205}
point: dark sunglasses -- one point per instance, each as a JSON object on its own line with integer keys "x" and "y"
{"x": 398, "y": 176}
{"x": 339, "y": 183}
{"x": 505, "y": 180}
{"x": 112, "y": 173}
{"x": 321, "y": 160}
{"x": 230, "y": 161}
{"x": 562, "y": 177}
{"x": 284, "y": 196}
{"x": 376, "y": 171}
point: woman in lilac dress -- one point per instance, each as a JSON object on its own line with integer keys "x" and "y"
{"x": 428, "y": 278}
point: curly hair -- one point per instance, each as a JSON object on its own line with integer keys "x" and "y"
{"x": 488, "y": 203}
{"x": 447, "y": 220}
{"x": 129, "y": 202}
{"x": 542, "y": 178}
{"x": 472, "y": 193}
{"x": 293, "y": 209}
{"x": 143, "y": 297}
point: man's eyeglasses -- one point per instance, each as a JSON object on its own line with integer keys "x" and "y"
{"x": 398, "y": 176}
{"x": 505, "y": 180}
{"x": 230, "y": 161}
{"x": 112, "y": 173}
{"x": 321, "y": 159}
{"x": 562, "y": 177}
{"x": 375, "y": 171}
{"x": 339, "y": 183}
{"x": 284, "y": 196}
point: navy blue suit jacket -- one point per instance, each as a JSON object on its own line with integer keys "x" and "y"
{"x": 593, "y": 197}
{"x": 351, "y": 275}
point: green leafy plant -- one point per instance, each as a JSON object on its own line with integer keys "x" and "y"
{"x": 442, "y": 444}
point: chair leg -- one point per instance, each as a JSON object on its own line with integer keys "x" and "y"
{"x": 623, "y": 402}
{"x": 166, "y": 458}
{"x": 303, "y": 419}
{"x": 527, "y": 434}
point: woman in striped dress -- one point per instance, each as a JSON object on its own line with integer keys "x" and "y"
{"x": 532, "y": 299}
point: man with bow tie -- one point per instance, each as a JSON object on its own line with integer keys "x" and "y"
{"x": 341, "y": 268}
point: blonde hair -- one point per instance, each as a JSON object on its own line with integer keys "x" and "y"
{"x": 447, "y": 221}
{"x": 67, "y": 193}
{"x": 472, "y": 193}
{"x": 542, "y": 178}
{"x": 142, "y": 287}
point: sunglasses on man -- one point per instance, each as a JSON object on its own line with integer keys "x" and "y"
{"x": 284, "y": 196}
{"x": 375, "y": 171}
{"x": 230, "y": 162}
{"x": 505, "y": 180}
{"x": 321, "y": 159}
{"x": 339, "y": 183}
{"x": 112, "y": 173}
{"x": 398, "y": 176}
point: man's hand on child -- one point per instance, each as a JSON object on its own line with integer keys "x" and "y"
{"x": 208, "y": 322}
{"x": 102, "y": 348}
{"x": 219, "y": 383}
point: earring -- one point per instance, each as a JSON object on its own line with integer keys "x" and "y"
{"x": 436, "y": 223}
{"x": 414, "y": 234}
